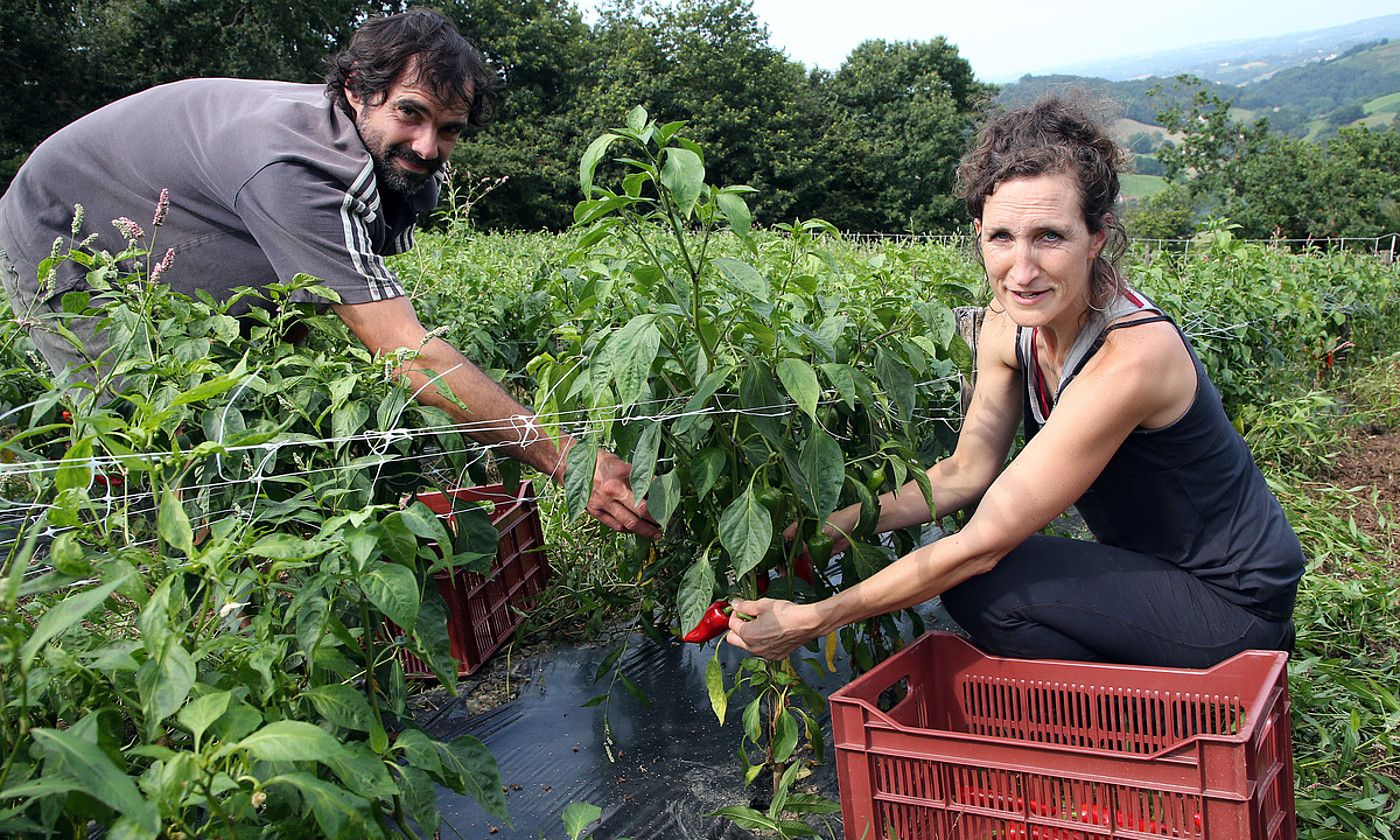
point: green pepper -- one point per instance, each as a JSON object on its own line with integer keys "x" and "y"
{"x": 774, "y": 500}
{"x": 875, "y": 480}
{"x": 819, "y": 549}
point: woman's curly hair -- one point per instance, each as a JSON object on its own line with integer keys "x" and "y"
{"x": 1054, "y": 135}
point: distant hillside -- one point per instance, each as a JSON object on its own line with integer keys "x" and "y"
{"x": 1359, "y": 86}
{"x": 1341, "y": 87}
{"x": 1130, "y": 99}
{"x": 1243, "y": 61}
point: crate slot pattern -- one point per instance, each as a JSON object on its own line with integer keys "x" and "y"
{"x": 984, "y": 748}
{"x": 483, "y": 610}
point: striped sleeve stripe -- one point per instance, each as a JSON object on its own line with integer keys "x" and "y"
{"x": 364, "y": 192}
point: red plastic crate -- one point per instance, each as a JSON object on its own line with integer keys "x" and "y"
{"x": 979, "y": 747}
{"x": 484, "y": 610}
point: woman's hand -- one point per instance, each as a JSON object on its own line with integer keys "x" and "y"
{"x": 775, "y": 628}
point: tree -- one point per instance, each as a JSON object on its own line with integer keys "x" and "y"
{"x": 542, "y": 49}
{"x": 1274, "y": 184}
{"x": 708, "y": 62}
{"x": 909, "y": 108}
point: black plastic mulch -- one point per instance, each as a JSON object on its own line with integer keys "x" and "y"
{"x": 671, "y": 762}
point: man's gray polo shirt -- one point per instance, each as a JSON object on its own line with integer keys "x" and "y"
{"x": 266, "y": 179}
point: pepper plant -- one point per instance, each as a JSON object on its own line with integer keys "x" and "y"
{"x": 209, "y": 582}
{"x": 752, "y": 382}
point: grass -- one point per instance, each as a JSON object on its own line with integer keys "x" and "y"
{"x": 1344, "y": 677}
{"x": 1389, "y": 102}
{"x": 1142, "y": 186}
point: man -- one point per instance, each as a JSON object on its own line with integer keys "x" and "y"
{"x": 270, "y": 179}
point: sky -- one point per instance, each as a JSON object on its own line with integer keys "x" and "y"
{"x": 1004, "y": 39}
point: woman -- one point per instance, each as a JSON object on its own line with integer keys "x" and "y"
{"x": 1194, "y": 559}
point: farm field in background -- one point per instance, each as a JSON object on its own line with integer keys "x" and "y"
{"x": 230, "y": 581}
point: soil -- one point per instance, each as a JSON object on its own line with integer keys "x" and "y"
{"x": 496, "y": 683}
{"x": 1369, "y": 469}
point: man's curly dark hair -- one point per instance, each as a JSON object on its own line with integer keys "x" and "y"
{"x": 445, "y": 63}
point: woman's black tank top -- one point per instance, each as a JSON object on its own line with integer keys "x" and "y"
{"x": 1190, "y": 492}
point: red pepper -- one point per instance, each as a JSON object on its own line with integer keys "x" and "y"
{"x": 66, "y": 415}
{"x": 713, "y": 624}
{"x": 802, "y": 567}
{"x": 113, "y": 480}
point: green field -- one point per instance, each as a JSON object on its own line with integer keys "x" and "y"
{"x": 1390, "y": 102}
{"x": 1141, "y": 186}
{"x": 268, "y": 504}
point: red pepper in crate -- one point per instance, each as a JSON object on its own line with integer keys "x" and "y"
{"x": 712, "y": 625}
{"x": 1016, "y": 831}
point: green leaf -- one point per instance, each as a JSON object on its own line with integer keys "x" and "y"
{"x": 342, "y": 706}
{"x": 420, "y": 751}
{"x": 843, "y": 379}
{"x": 589, "y": 164}
{"x": 897, "y": 381}
{"x": 396, "y": 539}
{"x": 62, "y": 617}
{"x": 683, "y": 173}
{"x": 164, "y": 683}
{"x": 393, "y": 589}
{"x": 714, "y": 684}
{"x": 290, "y": 740}
{"x": 99, "y": 778}
{"x": 74, "y": 472}
{"x": 578, "y": 475}
{"x": 743, "y": 277}
{"x": 212, "y": 387}
{"x": 288, "y": 547}
{"x": 746, "y": 817}
{"x": 696, "y": 592}
{"x": 349, "y": 419}
{"x": 753, "y": 719}
{"x": 938, "y": 318}
{"x": 480, "y": 777}
{"x": 785, "y": 738}
{"x": 961, "y": 355}
{"x": 174, "y": 524}
{"x": 632, "y": 350}
{"x": 420, "y": 799}
{"x": 736, "y": 212}
{"x": 706, "y": 469}
{"x": 200, "y": 713}
{"x": 746, "y": 530}
{"x": 664, "y": 498}
{"x": 637, "y": 118}
{"x": 800, "y": 381}
{"x": 424, "y": 523}
{"x": 578, "y": 816}
{"x": 644, "y": 460}
{"x": 362, "y": 771}
{"x": 823, "y": 468}
{"x": 340, "y": 814}
{"x": 432, "y": 640}
{"x": 707, "y": 388}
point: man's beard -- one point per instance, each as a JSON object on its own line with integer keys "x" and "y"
{"x": 397, "y": 179}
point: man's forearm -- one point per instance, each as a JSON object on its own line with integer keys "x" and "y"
{"x": 493, "y": 416}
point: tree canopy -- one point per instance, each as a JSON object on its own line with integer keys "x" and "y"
{"x": 872, "y": 146}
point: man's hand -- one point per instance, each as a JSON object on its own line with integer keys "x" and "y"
{"x": 612, "y": 502}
